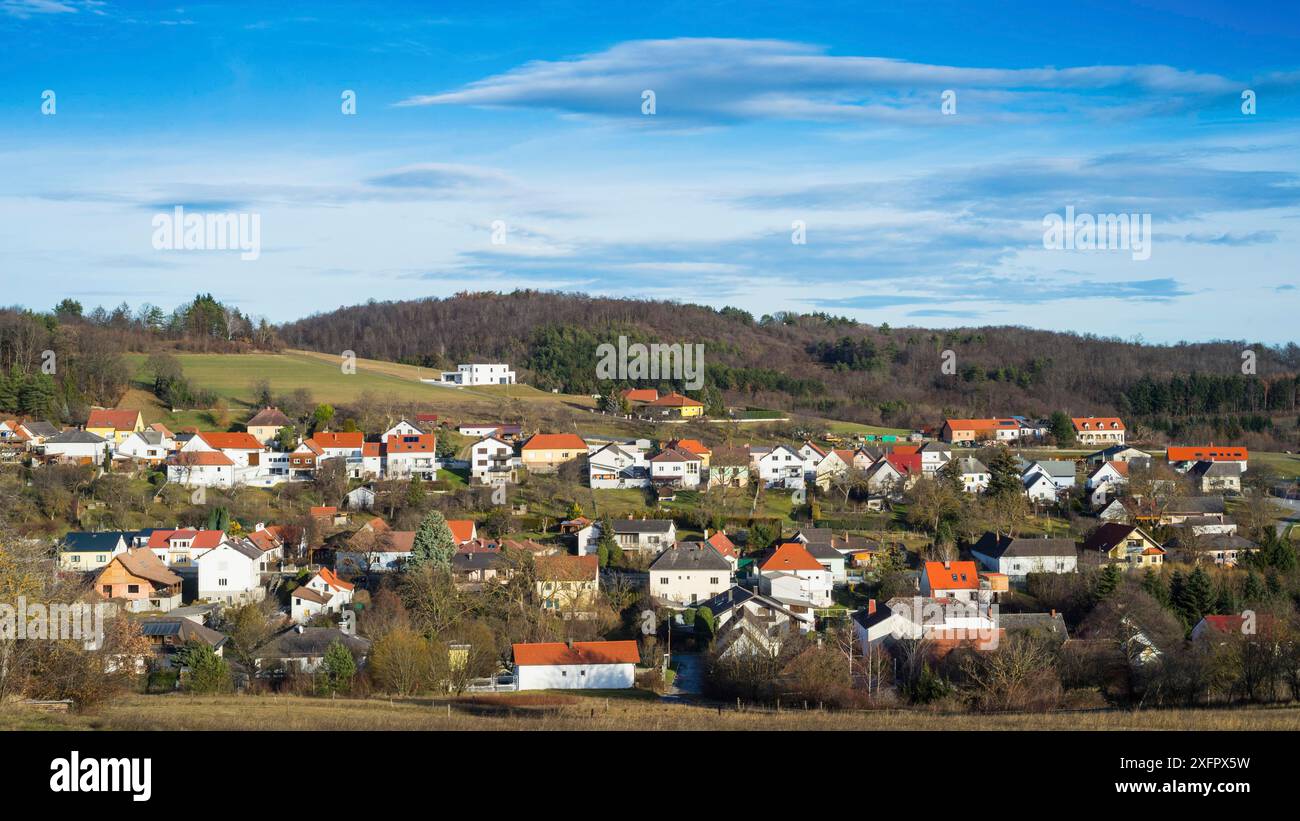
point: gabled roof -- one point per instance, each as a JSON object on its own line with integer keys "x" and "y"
{"x": 640, "y": 394}
{"x": 641, "y": 525}
{"x": 686, "y": 556}
{"x": 952, "y": 575}
{"x": 969, "y": 464}
{"x": 567, "y": 568}
{"x": 996, "y": 547}
{"x": 412, "y": 443}
{"x": 1096, "y": 423}
{"x": 675, "y": 400}
{"x": 309, "y": 642}
{"x": 674, "y": 455}
{"x": 462, "y": 530}
{"x": 267, "y": 417}
{"x": 183, "y": 629}
{"x": 200, "y": 539}
{"x": 231, "y": 441}
{"x": 579, "y": 652}
{"x": 791, "y": 556}
{"x": 120, "y": 419}
{"x": 203, "y": 458}
{"x": 1202, "y": 469}
{"x": 142, "y": 562}
{"x": 694, "y": 446}
{"x": 555, "y": 441}
{"x": 75, "y": 437}
{"x": 85, "y": 542}
{"x": 1112, "y": 534}
{"x": 37, "y": 427}
{"x": 722, "y": 543}
{"x": 352, "y": 441}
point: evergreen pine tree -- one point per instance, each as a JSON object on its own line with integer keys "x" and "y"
{"x": 433, "y": 543}
{"x": 1200, "y": 595}
{"x": 1253, "y": 590}
{"x": 1153, "y": 583}
{"x": 1106, "y": 581}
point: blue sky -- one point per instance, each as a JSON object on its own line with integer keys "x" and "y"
{"x": 766, "y": 114}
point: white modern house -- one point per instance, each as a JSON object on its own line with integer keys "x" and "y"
{"x": 323, "y": 593}
{"x": 77, "y": 446}
{"x": 478, "y": 374}
{"x": 578, "y": 665}
{"x": 791, "y": 575}
{"x": 230, "y": 573}
{"x": 780, "y": 467}
{"x": 676, "y": 467}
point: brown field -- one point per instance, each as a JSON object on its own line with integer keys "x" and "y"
{"x": 618, "y": 711}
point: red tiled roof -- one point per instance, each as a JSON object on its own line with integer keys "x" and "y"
{"x": 640, "y": 394}
{"x": 412, "y": 443}
{"x": 694, "y": 446}
{"x": 956, "y": 576}
{"x": 204, "y": 458}
{"x": 324, "y": 510}
{"x": 722, "y": 543}
{"x": 372, "y": 449}
{"x": 352, "y": 440}
{"x": 115, "y": 419}
{"x": 231, "y": 441}
{"x": 581, "y": 652}
{"x": 791, "y": 556}
{"x": 462, "y": 530}
{"x": 676, "y": 400}
{"x": 555, "y": 441}
{"x": 332, "y": 580}
{"x": 1093, "y": 423}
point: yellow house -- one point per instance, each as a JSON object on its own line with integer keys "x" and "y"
{"x": 1125, "y": 544}
{"x": 114, "y": 424}
{"x": 674, "y": 404}
{"x": 545, "y": 452}
{"x": 567, "y": 585}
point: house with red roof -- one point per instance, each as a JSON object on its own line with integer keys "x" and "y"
{"x": 114, "y": 424}
{"x": 951, "y": 580}
{"x": 675, "y": 405}
{"x": 793, "y": 576}
{"x": 636, "y": 396}
{"x": 545, "y": 452}
{"x": 179, "y": 548}
{"x": 323, "y": 593}
{"x": 576, "y": 665}
{"x": 1183, "y": 459}
{"x": 408, "y": 455}
{"x": 1098, "y": 430}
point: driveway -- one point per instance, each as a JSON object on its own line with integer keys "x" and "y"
{"x": 689, "y": 680}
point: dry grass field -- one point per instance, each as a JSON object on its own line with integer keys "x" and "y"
{"x": 562, "y": 711}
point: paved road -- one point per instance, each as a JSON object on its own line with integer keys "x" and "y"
{"x": 689, "y": 680}
{"x": 1292, "y": 505}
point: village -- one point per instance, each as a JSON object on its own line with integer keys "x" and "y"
{"x": 907, "y": 567}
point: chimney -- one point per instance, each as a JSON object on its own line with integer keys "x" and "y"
{"x": 871, "y": 607}
{"x": 1053, "y": 614}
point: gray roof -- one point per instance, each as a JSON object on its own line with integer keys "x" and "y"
{"x": 75, "y": 437}
{"x": 39, "y": 428}
{"x": 641, "y": 525}
{"x": 934, "y": 447}
{"x": 84, "y": 542}
{"x": 969, "y": 464}
{"x": 1216, "y": 469}
{"x": 823, "y": 550}
{"x": 310, "y": 642}
{"x": 246, "y": 547}
{"x": 691, "y": 556}
{"x": 995, "y": 547}
{"x": 1049, "y": 623}
{"x": 1057, "y": 468}
{"x": 181, "y": 628}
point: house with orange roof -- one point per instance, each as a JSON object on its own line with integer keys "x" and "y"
{"x": 462, "y": 530}
{"x": 179, "y": 548}
{"x": 970, "y": 431}
{"x": 1183, "y": 459}
{"x": 675, "y": 405}
{"x": 792, "y": 575}
{"x": 410, "y": 455}
{"x": 241, "y": 448}
{"x": 201, "y": 468}
{"x": 322, "y": 593}
{"x": 545, "y": 452}
{"x": 114, "y": 424}
{"x": 1098, "y": 430}
{"x": 951, "y": 580}
{"x": 692, "y": 446}
{"x": 722, "y": 543}
{"x": 675, "y": 467}
{"x": 576, "y": 665}
{"x": 636, "y": 396}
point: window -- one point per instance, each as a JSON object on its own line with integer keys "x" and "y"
{"x": 133, "y": 588}
{"x": 713, "y": 580}
{"x": 663, "y": 580}
{"x": 221, "y": 582}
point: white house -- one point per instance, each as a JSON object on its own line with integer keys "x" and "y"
{"x": 676, "y": 467}
{"x": 950, "y": 580}
{"x": 689, "y": 572}
{"x": 615, "y": 466}
{"x": 1039, "y": 487}
{"x": 491, "y": 461}
{"x": 411, "y": 455}
{"x": 655, "y": 535}
{"x": 77, "y": 446}
{"x": 934, "y": 455}
{"x": 916, "y": 617}
{"x": 402, "y": 428}
{"x": 579, "y": 665}
{"x": 201, "y": 469}
{"x": 149, "y": 446}
{"x": 323, "y": 593}
{"x": 975, "y": 477}
{"x": 480, "y": 374}
{"x": 1060, "y": 471}
{"x": 780, "y": 467}
{"x": 791, "y": 574}
{"x": 230, "y": 573}
{"x": 1017, "y": 558}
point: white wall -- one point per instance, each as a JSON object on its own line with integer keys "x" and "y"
{"x": 575, "y": 677}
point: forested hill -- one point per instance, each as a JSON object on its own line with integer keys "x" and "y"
{"x": 835, "y": 367}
